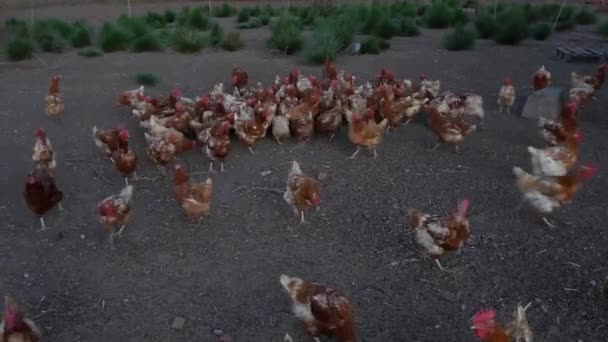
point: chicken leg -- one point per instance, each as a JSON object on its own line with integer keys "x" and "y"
{"x": 355, "y": 154}
{"x": 211, "y": 167}
{"x": 547, "y": 222}
{"x": 302, "y": 221}
{"x": 122, "y": 228}
{"x": 375, "y": 153}
{"x": 43, "y": 226}
{"x": 251, "y": 150}
{"x": 435, "y": 147}
{"x": 221, "y": 166}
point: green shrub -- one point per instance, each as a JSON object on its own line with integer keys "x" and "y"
{"x": 513, "y": 27}
{"x": 147, "y": 42}
{"x": 90, "y": 53}
{"x": 541, "y": 31}
{"x": 182, "y": 17}
{"x": 286, "y": 34}
{"x": 170, "y": 16}
{"x": 165, "y": 36}
{"x": 264, "y": 19}
{"x": 344, "y": 27}
{"x": 188, "y": 41}
{"x": 566, "y": 25}
{"x": 375, "y": 15}
{"x": 374, "y": 45}
{"x": 16, "y": 27}
{"x": 324, "y": 45}
{"x": 461, "y": 38}
{"x": 19, "y": 48}
{"x": 243, "y": 15}
{"x": 216, "y": 36}
{"x": 113, "y": 38}
{"x": 255, "y": 11}
{"x": 408, "y": 28}
{"x": 134, "y": 26}
{"x": 471, "y": 4}
{"x": 269, "y": 10}
{"x": 223, "y": 11}
{"x": 403, "y": 9}
{"x": 602, "y": 28}
{"x": 155, "y": 20}
{"x": 458, "y": 17}
{"x": 62, "y": 28}
{"x": 197, "y": 19}
{"x": 486, "y": 25}
{"x": 255, "y": 22}
{"x": 146, "y": 79}
{"x": 438, "y": 15}
{"x": 385, "y": 28}
{"x": 421, "y": 11}
{"x": 585, "y": 17}
{"x": 232, "y": 41}
{"x": 51, "y": 42}
{"x": 81, "y": 35}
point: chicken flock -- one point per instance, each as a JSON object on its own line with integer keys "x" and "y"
{"x": 300, "y": 106}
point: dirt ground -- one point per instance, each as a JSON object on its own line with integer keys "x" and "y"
{"x": 224, "y": 273}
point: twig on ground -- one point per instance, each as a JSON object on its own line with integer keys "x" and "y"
{"x": 258, "y": 188}
{"x": 102, "y": 177}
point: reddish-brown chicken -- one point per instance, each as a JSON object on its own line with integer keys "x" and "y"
{"x": 329, "y": 121}
{"x": 487, "y": 329}
{"x": 555, "y": 132}
{"x": 324, "y": 310}
{"x": 302, "y": 192}
{"x": 366, "y": 134}
{"x": 194, "y": 198}
{"x": 240, "y": 79}
{"x": 545, "y": 195}
{"x": 114, "y": 211}
{"x": 251, "y": 130}
{"x": 41, "y": 194}
{"x": 541, "y": 79}
{"x": 162, "y": 151}
{"x": 330, "y": 71}
{"x": 301, "y": 116}
{"x": 449, "y": 130}
{"x": 107, "y": 141}
{"x": 130, "y": 97}
{"x": 438, "y": 236}
{"x": 44, "y": 156}
{"x": 124, "y": 158}
{"x": 556, "y": 160}
{"x": 54, "y": 101}
{"x": 506, "y": 95}
{"x": 15, "y": 327}
{"x": 218, "y": 144}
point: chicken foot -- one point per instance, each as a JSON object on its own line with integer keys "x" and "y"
{"x": 43, "y": 226}
{"x": 251, "y": 150}
{"x": 355, "y": 154}
{"x": 547, "y": 222}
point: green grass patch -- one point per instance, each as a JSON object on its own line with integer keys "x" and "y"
{"x": 408, "y": 27}
{"x": 513, "y": 27}
{"x": 216, "y": 36}
{"x": 438, "y": 15}
{"x": 232, "y": 41}
{"x": 486, "y": 25}
{"x": 81, "y": 35}
{"x": 19, "y": 48}
{"x": 286, "y": 34}
{"x": 170, "y": 16}
{"x": 541, "y": 31}
{"x": 461, "y": 38}
{"x": 189, "y": 41}
{"x": 385, "y": 28}
{"x": 324, "y": 44}
{"x": 90, "y": 53}
{"x": 155, "y": 20}
{"x": 223, "y": 11}
{"x": 147, "y": 42}
{"x": 113, "y": 38}
{"x": 146, "y": 79}
{"x": 374, "y": 45}
{"x": 17, "y": 27}
{"x": 197, "y": 19}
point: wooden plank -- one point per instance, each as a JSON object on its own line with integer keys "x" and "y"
{"x": 580, "y": 52}
{"x": 591, "y": 52}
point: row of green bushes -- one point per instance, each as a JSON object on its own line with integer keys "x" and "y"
{"x": 150, "y": 32}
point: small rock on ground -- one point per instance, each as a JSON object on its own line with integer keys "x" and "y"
{"x": 178, "y": 323}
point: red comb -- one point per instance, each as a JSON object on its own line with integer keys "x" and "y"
{"x": 588, "y": 170}
{"x": 40, "y": 132}
{"x": 484, "y": 315}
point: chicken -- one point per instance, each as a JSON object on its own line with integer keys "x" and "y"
{"x": 44, "y": 156}
{"x": 301, "y": 116}
{"x": 330, "y": 121}
{"x": 130, "y": 97}
{"x": 251, "y": 130}
{"x": 487, "y": 329}
{"x": 385, "y": 77}
{"x": 506, "y": 95}
{"x": 114, "y": 211}
{"x": 597, "y": 80}
{"x": 124, "y": 158}
{"x": 179, "y": 121}
{"x": 15, "y": 327}
{"x": 155, "y": 128}
{"x": 302, "y": 192}
{"x": 161, "y": 151}
{"x": 366, "y": 134}
{"x": 545, "y": 195}
{"x": 240, "y": 78}
{"x": 41, "y": 194}
{"x": 324, "y": 310}
{"x": 54, "y": 100}
{"x": 330, "y": 72}
{"x": 194, "y": 198}
{"x": 143, "y": 109}
{"x": 429, "y": 88}
{"x": 218, "y": 144}
{"x": 555, "y": 160}
{"x": 541, "y": 79}
{"x": 390, "y": 109}
{"x": 440, "y": 235}
{"x": 107, "y": 141}
{"x": 280, "y": 128}
{"x": 555, "y": 132}
{"x": 447, "y": 129}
